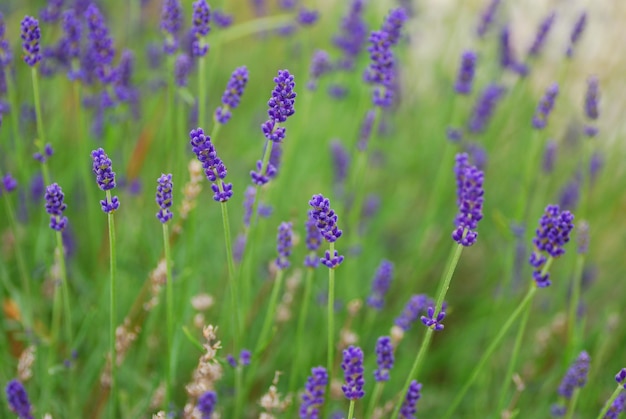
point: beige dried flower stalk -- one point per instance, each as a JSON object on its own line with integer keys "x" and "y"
{"x": 25, "y": 364}
{"x": 272, "y": 401}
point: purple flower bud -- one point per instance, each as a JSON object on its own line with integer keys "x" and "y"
{"x": 307, "y": 17}
{"x": 222, "y": 19}
{"x": 352, "y": 367}
{"x": 432, "y": 321}
{"x": 232, "y": 94}
{"x": 313, "y": 395}
{"x": 206, "y": 404}
{"x": 417, "y": 305}
{"x": 542, "y": 34}
{"x": 325, "y": 217}
{"x": 164, "y": 198}
{"x": 380, "y": 284}
{"x": 284, "y": 245}
{"x": 17, "y": 399}
{"x": 31, "y": 35}
{"x": 384, "y": 358}
{"x": 200, "y": 27}
{"x": 393, "y": 24}
{"x": 331, "y": 261}
{"x": 231, "y": 361}
{"x": 465, "y": 77}
{"x": 620, "y": 377}
{"x": 245, "y": 357}
{"x": 487, "y": 17}
{"x": 544, "y": 108}
{"x": 9, "y": 183}
{"x": 469, "y": 200}
{"x": 413, "y": 394}
{"x": 182, "y": 68}
{"x": 55, "y": 207}
{"x": 105, "y": 177}
{"x": 579, "y": 27}
{"x": 171, "y": 24}
{"x": 576, "y": 376}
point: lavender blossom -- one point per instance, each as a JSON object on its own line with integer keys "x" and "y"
{"x": 553, "y": 232}
{"x": 313, "y": 396}
{"x": 432, "y": 321}
{"x": 544, "y": 108}
{"x": 320, "y": 65}
{"x": 549, "y": 156}
{"x": 365, "y": 132}
{"x": 100, "y": 45}
{"x": 5, "y": 48}
{"x": 105, "y": 177}
{"x": 17, "y": 399}
{"x": 417, "y": 305}
{"x": 200, "y": 27}
{"x": 341, "y": 161}
{"x": 618, "y": 406}
{"x": 620, "y": 377}
{"x": 570, "y": 193}
{"x": 182, "y": 68}
{"x": 325, "y": 218}
{"x": 31, "y": 35}
{"x": 221, "y": 19}
{"x": 171, "y": 24}
{"x": 212, "y": 165}
{"x": 465, "y": 76}
{"x": 576, "y": 376}
{"x": 384, "y": 358}
{"x": 9, "y": 183}
{"x": 352, "y": 35}
{"x": 281, "y": 106}
{"x": 469, "y": 200}
{"x": 206, "y": 404}
{"x": 380, "y": 285}
{"x": 484, "y": 108}
{"x": 313, "y": 242}
{"x": 487, "y": 18}
{"x": 542, "y": 34}
{"x": 413, "y": 394}
{"x": 164, "y": 198}
{"x": 52, "y": 12}
{"x": 231, "y": 361}
{"x": 284, "y": 245}
{"x": 47, "y": 153}
{"x": 307, "y": 17}
{"x": 393, "y": 24}
{"x": 381, "y": 71}
{"x": 55, "y": 207}
{"x": 352, "y": 366}
{"x": 591, "y": 98}
{"x": 232, "y": 94}
{"x": 507, "y": 56}
{"x": 245, "y": 357}
{"x": 579, "y": 27}
{"x": 70, "y": 42}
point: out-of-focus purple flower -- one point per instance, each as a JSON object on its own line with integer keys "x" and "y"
{"x": 124, "y": 90}
{"x": 232, "y": 94}
{"x": 154, "y": 53}
{"x": 43, "y": 157}
{"x": 307, "y": 17}
{"x": 570, "y": 194}
{"x": 380, "y": 285}
{"x": 579, "y": 27}
{"x": 352, "y": 35}
{"x": 393, "y": 24}
{"x": 17, "y": 399}
{"x": 544, "y": 108}
{"x": 484, "y": 108}
{"x": 591, "y": 98}
{"x": 164, "y": 197}
{"x": 222, "y": 19}
{"x": 352, "y": 366}
{"x": 618, "y": 406}
{"x": 70, "y": 42}
{"x": 55, "y": 207}
{"x": 413, "y": 394}
{"x": 417, "y": 305}
{"x": 213, "y": 166}
{"x": 576, "y": 376}
{"x": 313, "y": 242}
{"x": 244, "y": 357}
{"x": 31, "y": 34}
{"x": 231, "y": 361}
{"x": 549, "y": 155}
{"x": 582, "y": 238}
{"x": 100, "y": 45}
{"x": 620, "y": 377}
{"x": 381, "y": 71}
{"x": 325, "y": 218}
{"x": 470, "y": 193}
{"x": 432, "y": 321}
{"x": 284, "y": 245}
{"x": 9, "y": 183}
{"x": 384, "y": 358}
{"x": 248, "y": 204}
{"x": 105, "y": 177}
{"x": 239, "y": 247}
{"x": 542, "y": 34}
{"x": 5, "y": 48}
{"x": 487, "y": 18}
{"x": 200, "y": 27}
{"x": 313, "y": 395}
{"x": 287, "y": 4}
{"x": 337, "y": 91}
{"x": 465, "y": 76}
{"x": 551, "y": 235}
{"x": 206, "y": 404}
{"x": 507, "y": 56}
{"x": 171, "y": 24}
{"x": 477, "y": 154}
{"x": 595, "y": 164}
{"x": 341, "y": 161}
{"x": 365, "y": 132}
{"x": 182, "y": 68}
{"x": 320, "y": 65}
{"x": 37, "y": 187}
{"x": 52, "y": 12}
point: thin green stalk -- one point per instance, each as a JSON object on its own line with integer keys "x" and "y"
{"x": 253, "y": 26}
{"x": 609, "y": 402}
{"x": 234, "y": 289}
{"x": 238, "y": 390}
{"x": 201, "y": 91}
{"x": 270, "y": 314}
{"x": 378, "y": 389}
{"x": 351, "y": 410}
{"x": 331, "y": 318}
{"x": 112, "y": 309}
{"x": 304, "y": 309}
{"x": 68, "y": 318}
{"x": 571, "y": 407}
{"x": 491, "y": 349}
{"x": 169, "y": 301}
{"x": 573, "y": 334}
{"x": 41, "y": 141}
{"x": 54, "y": 343}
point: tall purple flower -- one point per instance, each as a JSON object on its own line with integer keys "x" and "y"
{"x": 352, "y": 366}
{"x": 313, "y": 242}
{"x": 182, "y": 68}
{"x": 17, "y": 399}
{"x": 470, "y": 193}
{"x": 105, "y": 177}
{"x": 213, "y": 167}
{"x": 413, "y": 394}
{"x": 171, "y": 24}
{"x": 100, "y": 50}
{"x": 164, "y": 197}
{"x": 579, "y": 27}
{"x": 393, "y": 24}
{"x": 31, "y": 35}
{"x": 326, "y": 221}
{"x": 384, "y": 358}
{"x": 206, "y": 404}
{"x": 553, "y": 232}
{"x": 484, "y": 108}
{"x": 69, "y": 44}
{"x": 545, "y": 106}
{"x": 5, "y": 48}
{"x": 576, "y": 376}
{"x": 542, "y": 34}
{"x": 352, "y": 35}
{"x": 487, "y": 17}
{"x": 465, "y": 77}
{"x": 341, "y": 161}
{"x": 232, "y": 94}
{"x": 200, "y": 27}
{"x": 281, "y": 106}
{"x": 55, "y": 207}
{"x": 381, "y": 71}
{"x": 284, "y": 245}
{"x": 320, "y": 65}
{"x": 52, "y": 11}
{"x": 417, "y": 305}
{"x": 380, "y": 284}
{"x": 313, "y": 396}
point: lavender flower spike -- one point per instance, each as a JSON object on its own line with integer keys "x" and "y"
{"x": 542, "y": 34}
{"x": 384, "y": 358}
{"x": 579, "y": 27}
{"x": 206, "y": 404}
{"x": 469, "y": 200}
{"x": 465, "y": 77}
{"x": 281, "y": 106}
{"x": 325, "y": 217}
{"x": 320, "y": 65}
{"x": 487, "y": 17}
{"x": 105, "y": 177}
{"x": 232, "y": 94}
{"x": 5, "y": 49}
{"x": 352, "y": 367}
{"x": 413, "y": 394}
{"x": 213, "y": 167}
{"x": 544, "y": 108}
{"x": 417, "y": 304}
{"x": 591, "y": 98}
{"x": 164, "y": 198}
{"x": 484, "y": 108}
{"x": 313, "y": 242}
{"x": 55, "y": 207}
{"x": 553, "y": 232}
{"x": 31, "y": 35}
{"x": 18, "y": 400}
{"x": 393, "y": 24}
{"x": 620, "y": 377}
{"x": 313, "y": 396}
{"x": 200, "y": 27}
{"x": 171, "y": 23}
{"x": 380, "y": 284}
{"x": 284, "y": 245}
{"x": 576, "y": 376}
{"x": 617, "y": 407}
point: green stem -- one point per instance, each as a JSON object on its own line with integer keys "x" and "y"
{"x": 234, "y": 290}
{"x": 573, "y": 335}
{"x": 374, "y": 399}
{"x": 351, "y": 410}
{"x": 491, "y": 349}
{"x": 331, "y": 318}
{"x": 201, "y": 91}
{"x": 572, "y": 404}
{"x": 238, "y": 391}
{"x": 40, "y": 130}
{"x": 19, "y": 146}
{"x": 609, "y": 402}
{"x": 253, "y": 26}
{"x": 269, "y": 316}
{"x": 112, "y": 309}
{"x": 304, "y": 309}
{"x": 169, "y": 301}
{"x": 68, "y": 317}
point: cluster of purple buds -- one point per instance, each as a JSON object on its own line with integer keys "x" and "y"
{"x": 222, "y": 19}
{"x": 307, "y": 17}
{"x": 171, "y": 24}
{"x": 31, "y": 35}
{"x": 352, "y": 366}
{"x": 591, "y": 105}
{"x": 413, "y": 394}
{"x": 620, "y": 377}
{"x": 43, "y": 157}
{"x": 17, "y": 399}
{"x": 232, "y": 94}
{"x": 55, "y": 207}
{"x": 213, "y": 167}
{"x": 384, "y": 358}
{"x": 70, "y": 42}
{"x": 200, "y": 27}
{"x": 618, "y": 406}
{"x": 313, "y": 242}
{"x": 484, "y": 108}
{"x": 470, "y": 193}
{"x": 182, "y": 68}
{"x": 545, "y": 106}
{"x": 281, "y": 106}
{"x": 465, "y": 77}
{"x": 575, "y": 377}
{"x": 206, "y": 404}
{"x": 507, "y": 55}
{"x": 9, "y": 184}
{"x": 52, "y": 12}
{"x": 553, "y": 232}
{"x": 313, "y": 396}
{"x": 579, "y": 27}
{"x": 245, "y": 357}
{"x": 320, "y": 65}
{"x": 100, "y": 45}
{"x": 417, "y": 305}
{"x": 326, "y": 222}
{"x": 380, "y": 285}
{"x": 352, "y": 36}
{"x": 431, "y": 321}
{"x": 284, "y": 244}
{"x": 105, "y": 177}
{"x": 164, "y": 198}
{"x": 542, "y": 34}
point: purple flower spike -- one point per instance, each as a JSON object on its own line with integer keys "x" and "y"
{"x": 617, "y": 407}
{"x": 171, "y": 24}
{"x": 413, "y": 394}
{"x": 281, "y": 104}
{"x": 31, "y": 35}
{"x": 393, "y": 24}
{"x": 232, "y": 94}
{"x": 465, "y": 77}
{"x": 380, "y": 285}
{"x": 544, "y": 108}
{"x": 320, "y": 65}
{"x": 200, "y": 27}
{"x": 307, "y": 17}
{"x": 352, "y": 35}
{"x": 507, "y": 55}
{"x": 284, "y": 245}
{"x": 105, "y": 177}
{"x": 620, "y": 377}
{"x": 313, "y": 396}
{"x": 384, "y": 358}
{"x": 331, "y": 262}
{"x": 70, "y": 42}
{"x": 484, "y": 108}
{"x": 417, "y": 305}
{"x": 5, "y": 48}
{"x": 244, "y": 357}
{"x": 164, "y": 198}
{"x": 487, "y": 18}
{"x": 352, "y": 367}
{"x": 381, "y": 71}
{"x": 576, "y": 376}
{"x": 211, "y": 163}
{"x": 182, "y": 68}
{"x": 231, "y": 361}
{"x": 206, "y": 404}
{"x": 100, "y": 45}
{"x": 313, "y": 242}
{"x": 591, "y": 98}
{"x": 52, "y": 12}
{"x": 554, "y": 231}
{"x": 55, "y": 207}
{"x": 325, "y": 217}
{"x": 469, "y": 180}
{"x": 579, "y": 27}
{"x": 431, "y": 321}
{"x": 9, "y": 183}
{"x": 18, "y": 400}
{"x": 542, "y": 34}
{"x": 222, "y": 19}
